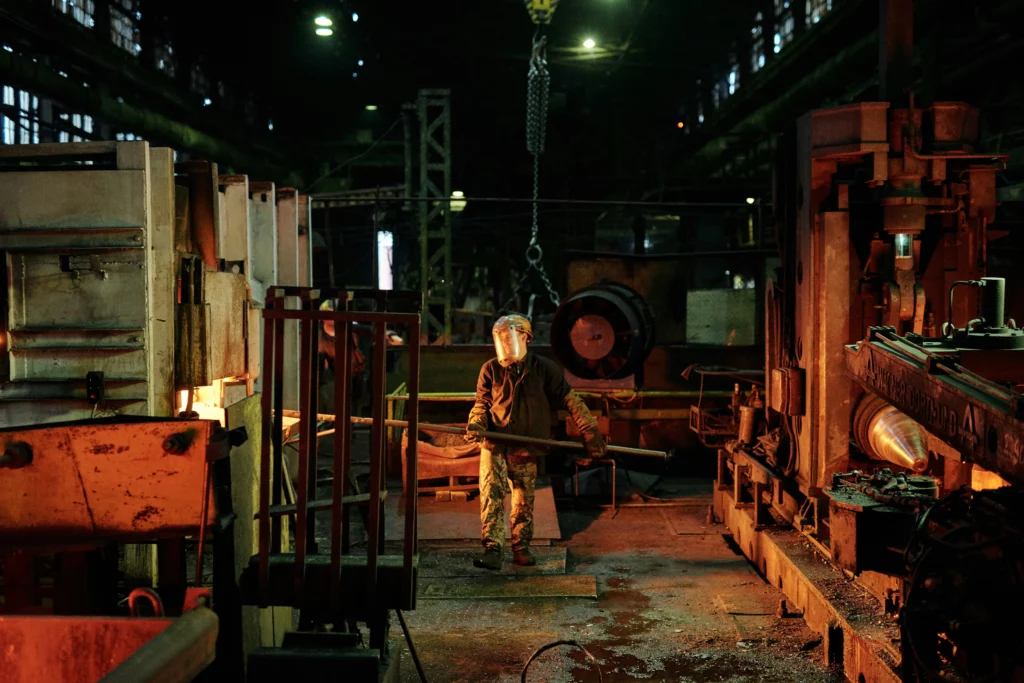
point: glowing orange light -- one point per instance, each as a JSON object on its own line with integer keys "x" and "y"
{"x": 679, "y": 125}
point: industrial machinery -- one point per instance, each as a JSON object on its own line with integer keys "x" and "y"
{"x": 71, "y": 494}
{"x": 130, "y": 338}
{"x": 890, "y": 441}
{"x": 603, "y": 332}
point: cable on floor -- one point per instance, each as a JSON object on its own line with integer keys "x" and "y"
{"x": 570, "y": 643}
{"x": 412, "y": 648}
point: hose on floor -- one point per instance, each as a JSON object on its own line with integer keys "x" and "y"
{"x": 570, "y": 643}
{"x": 412, "y": 648}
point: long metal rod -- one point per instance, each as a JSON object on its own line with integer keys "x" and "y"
{"x": 570, "y": 202}
{"x": 373, "y": 545}
{"x": 341, "y": 386}
{"x": 495, "y": 436}
{"x": 301, "y": 488}
{"x": 341, "y": 316}
{"x": 204, "y": 513}
{"x": 276, "y": 480}
{"x": 312, "y": 343}
{"x": 411, "y": 540}
{"x": 446, "y": 397}
{"x": 270, "y": 341}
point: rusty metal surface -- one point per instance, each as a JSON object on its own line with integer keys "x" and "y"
{"x": 96, "y": 481}
{"x": 176, "y": 654}
{"x": 70, "y": 649}
{"x": 204, "y": 218}
{"x": 978, "y": 418}
{"x": 227, "y": 294}
{"x": 858, "y": 640}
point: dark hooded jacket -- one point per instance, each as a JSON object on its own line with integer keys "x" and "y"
{"x": 520, "y": 399}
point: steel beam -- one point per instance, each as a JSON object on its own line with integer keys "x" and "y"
{"x": 435, "y": 182}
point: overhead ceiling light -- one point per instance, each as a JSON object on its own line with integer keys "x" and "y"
{"x": 750, "y": 200}
{"x": 323, "y": 21}
{"x": 371, "y": 107}
{"x": 324, "y": 32}
{"x": 355, "y": 17}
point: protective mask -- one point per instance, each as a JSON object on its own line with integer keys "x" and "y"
{"x": 510, "y": 344}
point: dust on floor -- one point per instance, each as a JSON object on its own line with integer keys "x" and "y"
{"x": 670, "y": 607}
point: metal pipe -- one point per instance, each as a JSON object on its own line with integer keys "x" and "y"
{"x": 992, "y": 301}
{"x": 177, "y": 654}
{"x": 496, "y": 436}
{"x": 570, "y": 202}
{"x": 443, "y": 397}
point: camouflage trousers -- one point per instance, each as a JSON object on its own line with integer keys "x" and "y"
{"x": 499, "y": 468}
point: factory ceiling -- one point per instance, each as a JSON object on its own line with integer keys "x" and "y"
{"x": 615, "y": 106}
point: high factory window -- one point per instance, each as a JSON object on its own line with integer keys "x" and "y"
{"x": 74, "y": 127}
{"x": 164, "y": 59}
{"x": 816, "y": 9}
{"x": 757, "y": 43}
{"x": 19, "y": 119}
{"x": 124, "y": 26}
{"x": 81, "y": 11}
{"x": 783, "y": 24}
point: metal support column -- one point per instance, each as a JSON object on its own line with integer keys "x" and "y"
{"x": 434, "y": 110}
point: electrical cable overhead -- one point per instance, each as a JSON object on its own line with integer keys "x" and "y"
{"x": 356, "y": 157}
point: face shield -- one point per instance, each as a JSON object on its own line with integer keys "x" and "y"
{"x": 509, "y": 341}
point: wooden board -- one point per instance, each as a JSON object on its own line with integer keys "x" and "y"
{"x": 162, "y": 282}
{"x": 260, "y": 627}
{"x": 497, "y": 587}
{"x": 227, "y": 294}
{"x": 456, "y": 561}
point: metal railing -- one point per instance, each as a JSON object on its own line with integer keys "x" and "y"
{"x": 272, "y": 472}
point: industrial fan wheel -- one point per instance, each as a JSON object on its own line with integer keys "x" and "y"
{"x": 605, "y": 331}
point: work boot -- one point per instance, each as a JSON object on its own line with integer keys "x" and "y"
{"x": 523, "y": 557}
{"x": 490, "y": 558}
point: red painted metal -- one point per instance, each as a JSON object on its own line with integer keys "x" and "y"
{"x": 70, "y": 649}
{"x": 93, "y": 482}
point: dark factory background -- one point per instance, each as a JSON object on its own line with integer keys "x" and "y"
{"x": 687, "y": 113}
{"x": 759, "y": 257}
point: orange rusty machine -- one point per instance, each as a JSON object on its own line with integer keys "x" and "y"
{"x": 131, "y": 346}
{"x": 889, "y": 438}
{"x": 71, "y": 493}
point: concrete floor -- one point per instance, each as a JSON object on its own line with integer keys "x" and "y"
{"x": 670, "y": 607}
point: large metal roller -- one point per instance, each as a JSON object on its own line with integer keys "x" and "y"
{"x": 885, "y": 433}
{"x": 605, "y": 331}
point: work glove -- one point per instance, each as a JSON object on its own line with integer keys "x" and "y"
{"x": 596, "y": 447}
{"x": 474, "y": 432}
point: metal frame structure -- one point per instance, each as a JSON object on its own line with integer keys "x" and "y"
{"x": 435, "y": 182}
{"x": 359, "y": 586}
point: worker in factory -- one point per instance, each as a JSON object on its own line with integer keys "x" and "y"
{"x": 516, "y": 394}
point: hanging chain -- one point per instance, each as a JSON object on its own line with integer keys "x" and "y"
{"x": 537, "y": 86}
